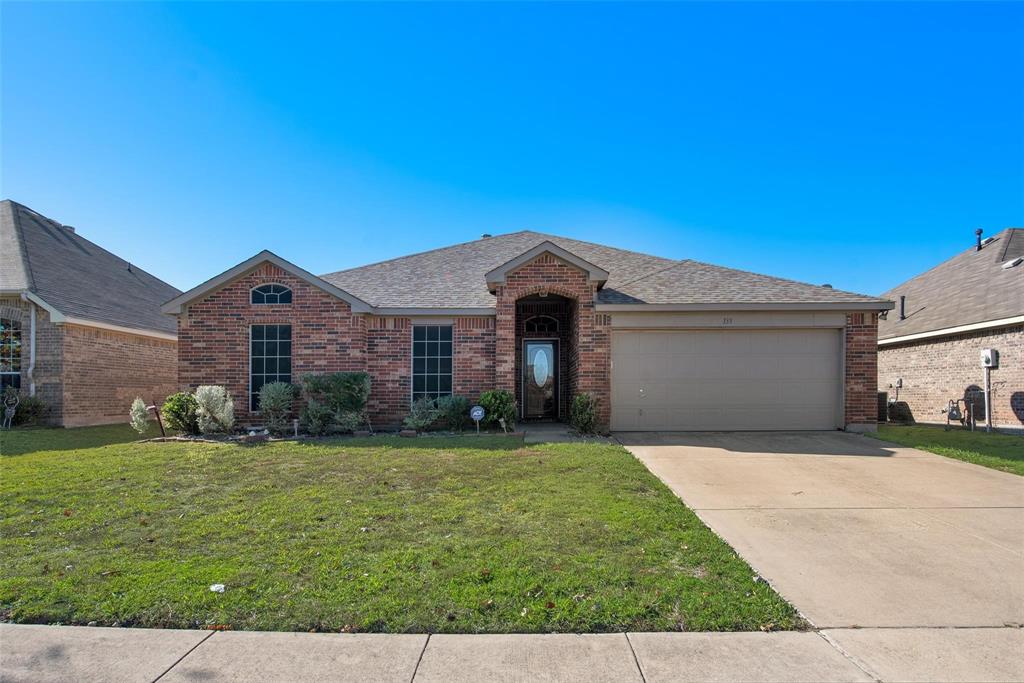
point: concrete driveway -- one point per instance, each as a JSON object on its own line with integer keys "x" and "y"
{"x": 853, "y": 531}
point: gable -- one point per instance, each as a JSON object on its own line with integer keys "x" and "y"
{"x": 499, "y": 275}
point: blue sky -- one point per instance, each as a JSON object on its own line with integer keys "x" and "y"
{"x": 855, "y": 144}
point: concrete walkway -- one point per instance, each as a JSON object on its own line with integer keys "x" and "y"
{"x": 75, "y": 653}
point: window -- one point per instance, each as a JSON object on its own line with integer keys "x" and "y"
{"x": 541, "y": 325}
{"x": 270, "y": 358}
{"x": 10, "y": 353}
{"x": 431, "y": 361}
{"x": 271, "y": 294}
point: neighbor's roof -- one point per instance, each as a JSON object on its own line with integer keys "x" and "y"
{"x": 455, "y": 277}
{"x": 970, "y": 288}
{"x": 76, "y": 277}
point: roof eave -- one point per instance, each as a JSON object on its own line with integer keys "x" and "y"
{"x": 174, "y": 306}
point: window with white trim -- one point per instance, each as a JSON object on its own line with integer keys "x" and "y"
{"x": 10, "y": 353}
{"x": 271, "y": 294}
{"x": 270, "y": 358}
{"x": 431, "y": 361}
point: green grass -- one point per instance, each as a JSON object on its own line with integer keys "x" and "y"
{"x": 385, "y": 535}
{"x": 23, "y": 440}
{"x": 999, "y": 451}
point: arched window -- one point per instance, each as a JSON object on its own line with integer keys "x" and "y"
{"x": 541, "y": 324}
{"x": 271, "y": 294}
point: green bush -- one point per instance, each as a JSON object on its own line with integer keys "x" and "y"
{"x": 499, "y": 404}
{"x": 583, "y": 413}
{"x": 316, "y": 418}
{"x": 30, "y": 410}
{"x": 276, "y": 399}
{"x": 422, "y": 414}
{"x": 180, "y": 413}
{"x": 336, "y": 402}
{"x": 453, "y": 411}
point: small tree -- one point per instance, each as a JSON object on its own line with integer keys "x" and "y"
{"x": 215, "y": 410}
{"x": 276, "y": 400}
{"x": 138, "y": 416}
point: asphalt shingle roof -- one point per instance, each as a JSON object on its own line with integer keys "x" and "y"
{"x": 75, "y": 276}
{"x": 972, "y": 287}
{"x": 454, "y": 277}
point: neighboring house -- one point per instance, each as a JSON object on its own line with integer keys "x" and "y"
{"x": 79, "y": 327}
{"x": 664, "y": 344}
{"x": 929, "y": 348}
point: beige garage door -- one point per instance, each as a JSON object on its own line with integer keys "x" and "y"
{"x": 693, "y": 380}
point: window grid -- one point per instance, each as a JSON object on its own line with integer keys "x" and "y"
{"x": 541, "y": 324}
{"x": 270, "y": 358}
{"x": 431, "y": 361}
{"x": 271, "y": 294}
{"x": 10, "y": 353}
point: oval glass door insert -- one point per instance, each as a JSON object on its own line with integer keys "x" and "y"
{"x": 541, "y": 367}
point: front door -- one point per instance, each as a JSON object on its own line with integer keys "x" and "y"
{"x": 540, "y": 379}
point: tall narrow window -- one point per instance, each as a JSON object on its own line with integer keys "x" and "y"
{"x": 431, "y": 361}
{"x": 10, "y": 353}
{"x": 271, "y": 294}
{"x": 270, "y": 358}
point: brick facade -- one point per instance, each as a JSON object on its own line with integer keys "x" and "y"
{"x": 861, "y": 371}
{"x": 939, "y": 369}
{"x": 87, "y": 375}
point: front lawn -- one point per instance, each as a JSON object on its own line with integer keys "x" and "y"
{"x": 412, "y": 535}
{"x": 999, "y": 451}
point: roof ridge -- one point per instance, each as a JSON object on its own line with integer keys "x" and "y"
{"x": 421, "y": 253}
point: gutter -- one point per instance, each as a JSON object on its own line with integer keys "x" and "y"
{"x": 31, "y": 344}
{"x": 667, "y": 308}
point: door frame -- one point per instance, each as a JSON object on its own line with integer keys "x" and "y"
{"x": 554, "y": 341}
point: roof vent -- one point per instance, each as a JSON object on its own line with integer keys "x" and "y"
{"x": 486, "y": 235}
{"x": 827, "y": 286}
{"x": 69, "y": 228}
{"x": 1013, "y": 262}
{"x": 977, "y": 235}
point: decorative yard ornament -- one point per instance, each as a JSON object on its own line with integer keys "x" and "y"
{"x": 11, "y": 401}
{"x": 477, "y": 413}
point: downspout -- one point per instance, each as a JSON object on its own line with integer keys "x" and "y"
{"x": 31, "y": 345}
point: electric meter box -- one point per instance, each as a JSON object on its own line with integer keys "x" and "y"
{"x": 989, "y": 358}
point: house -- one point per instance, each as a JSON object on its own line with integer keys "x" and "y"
{"x": 663, "y": 344}
{"x": 79, "y": 327}
{"x": 929, "y": 348}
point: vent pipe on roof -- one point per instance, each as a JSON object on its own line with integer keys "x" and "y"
{"x": 827, "y": 286}
{"x": 903, "y": 307}
{"x": 486, "y": 235}
{"x": 69, "y": 228}
{"x": 977, "y": 234}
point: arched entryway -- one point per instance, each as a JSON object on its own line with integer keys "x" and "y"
{"x": 545, "y": 356}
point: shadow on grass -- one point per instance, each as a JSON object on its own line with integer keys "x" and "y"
{"x": 23, "y": 440}
{"x": 487, "y": 442}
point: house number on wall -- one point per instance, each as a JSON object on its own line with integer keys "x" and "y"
{"x": 727, "y": 321}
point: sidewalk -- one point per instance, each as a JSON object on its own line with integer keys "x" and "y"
{"x": 65, "y": 653}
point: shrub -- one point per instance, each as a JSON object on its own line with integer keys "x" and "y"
{"x": 453, "y": 411}
{"x": 422, "y": 414}
{"x": 316, "y": 418}
{"x": 179, "y": 412}
{"x": 342, "y": 395}
{"x": 498, "y": 404}
{"x": 30, "y": 409}
{"x": 276, "y": 399}
{"x": 215, "y": 411}
{"x": 139, "y": 416}
{"x": 583, "y": 413}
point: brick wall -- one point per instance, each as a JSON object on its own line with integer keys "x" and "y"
{"x": 562, "y": 311}
{"x": 103, "y": 371}
{"x": 937, "y": 370}
{"x": 474, "y": 357}
{"x": 213, "y": 334}
{"x": 590, "y": 353}
{"x": 861, "y": 370}
{"x": 389, "y": 362}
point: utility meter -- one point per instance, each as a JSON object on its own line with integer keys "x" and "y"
{"x": 989, "y": 358}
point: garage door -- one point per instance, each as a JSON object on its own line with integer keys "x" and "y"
{"x": 726, "y": 379}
